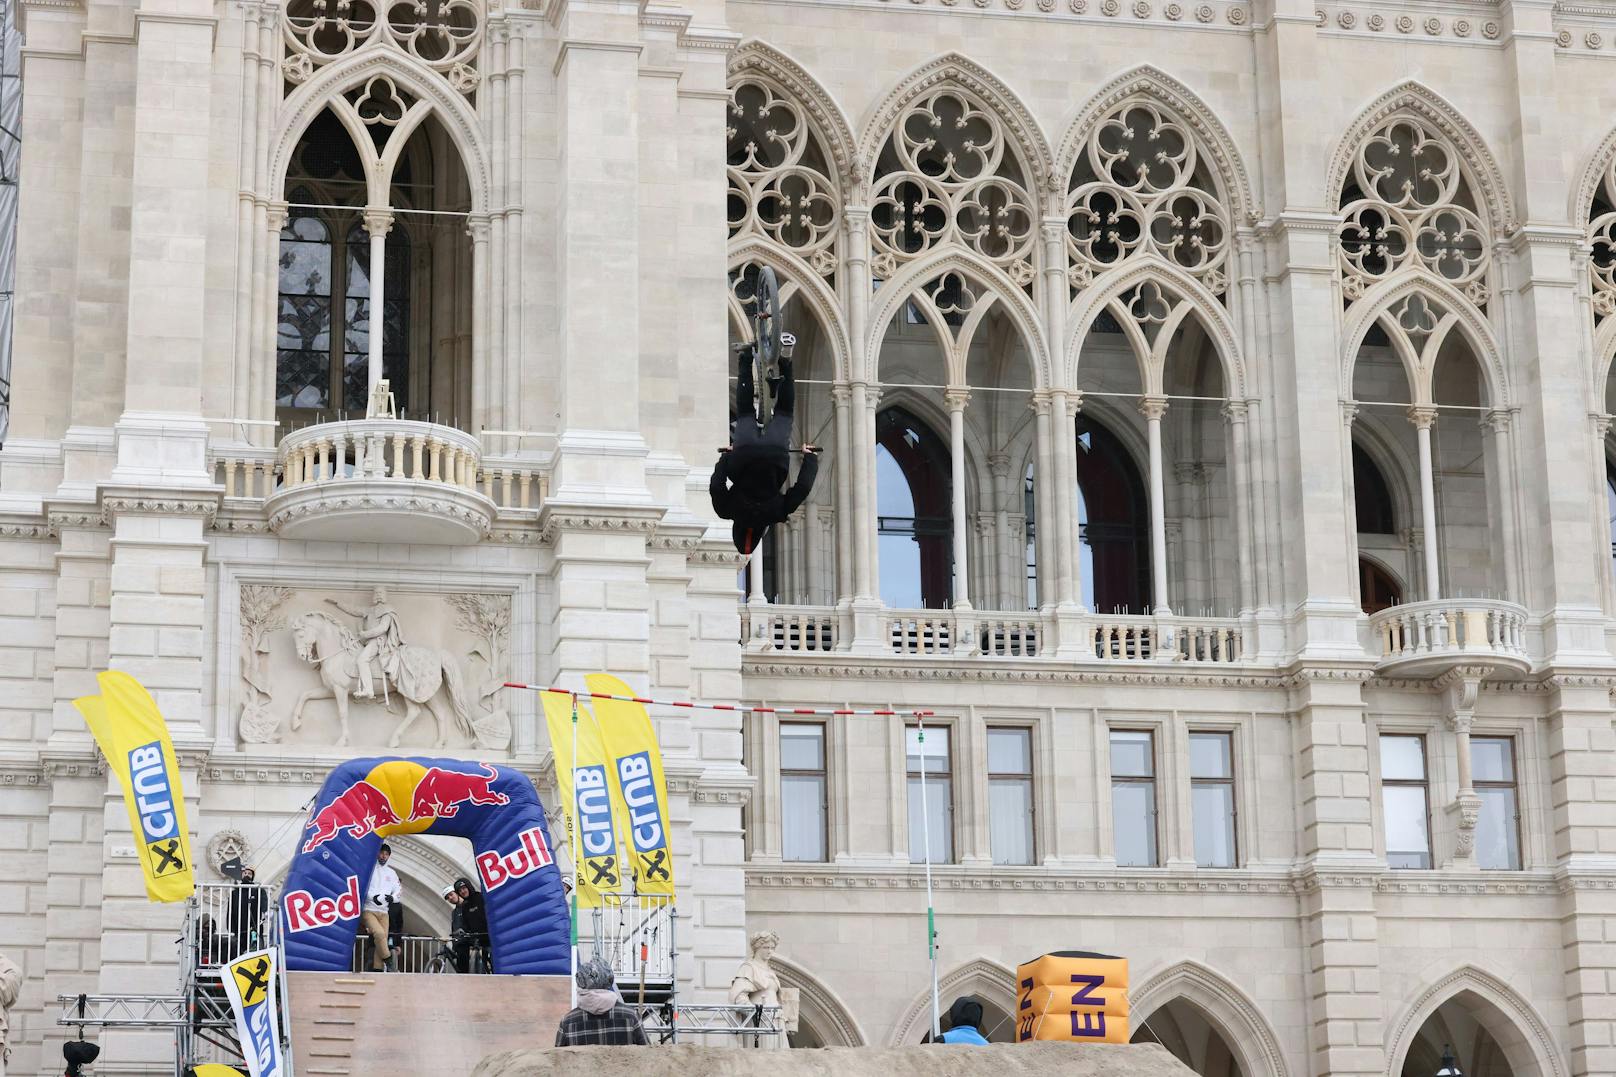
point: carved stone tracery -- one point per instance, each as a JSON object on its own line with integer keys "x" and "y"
{"x": 443, "y": 35}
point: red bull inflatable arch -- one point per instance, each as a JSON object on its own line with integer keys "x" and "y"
{"x": 366, "y": 800}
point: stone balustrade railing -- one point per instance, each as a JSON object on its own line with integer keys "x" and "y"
{"x": 790, "y": 628}
{"x": 379, "y": 449}
{"x": 1005, "y": 635}
{"x": 1461, "y": 628}
{"x": 245, "y": 472}
{"x": 920, "y": 631}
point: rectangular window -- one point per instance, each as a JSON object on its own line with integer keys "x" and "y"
{"x": 1405, "y": 801}
{"x": 937, "y": 816}
{"x": 1010, "y": 794}
{"x": 1212, "y": 799}
{"x": 1498, "y": 831}
{"x": 803, "y": 803}
{"x": 1133, "y": 797}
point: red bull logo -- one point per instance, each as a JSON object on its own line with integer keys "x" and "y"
{"x": 305, "y": 912}
{"x": 440, "y": 792}
{"x": 497, "y": 869}
{"x": 360, "y": 809}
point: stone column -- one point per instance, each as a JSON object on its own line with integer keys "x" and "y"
{"x": 841, "y": 394}
{"x": 1423, "y": 419}
{"x": 482, "y": 381}
{"x": 1235, "y": 413}
{"x": 1459, "y": 688}
{"x": 378, "y": 222}
{"x": 1499, "y": 422}
{"x": 956, "y": 400}
{"x": 1044, "y": 493}
{"x": 1153, "y": 408}
{"x": 1063, "y": 458}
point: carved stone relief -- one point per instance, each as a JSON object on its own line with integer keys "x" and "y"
{"x": 359, "y": 667}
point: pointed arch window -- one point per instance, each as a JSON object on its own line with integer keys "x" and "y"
{"x": 914, "y": 518}
{"x": 1113, "y": 518}
{"x": 780, "y": 184}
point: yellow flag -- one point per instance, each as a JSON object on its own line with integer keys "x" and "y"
{"x": 593, "y": 808}
{"x": 631, "y": 744}
{"x": 126, "y": 723}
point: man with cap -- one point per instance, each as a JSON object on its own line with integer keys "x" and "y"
{"x": 601, "y": 1018}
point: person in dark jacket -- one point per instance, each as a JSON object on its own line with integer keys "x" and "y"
{"x": 248, "y": 904}
{"x": 965, "y": 1022}
{"x": 473, "y": 915}
{"x": 746, "y": 484}
{"x": 602, "y": 1018}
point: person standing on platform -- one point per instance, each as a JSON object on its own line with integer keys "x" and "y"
{"x": 384, "y": 889}
{"x": 965, "y": 1023}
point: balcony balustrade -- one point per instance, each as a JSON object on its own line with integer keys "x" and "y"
{"x": 370, "y": 480}
{"x": 1429, "y": 638}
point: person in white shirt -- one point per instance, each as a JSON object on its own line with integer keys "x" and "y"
{"x": 384, "y": 889}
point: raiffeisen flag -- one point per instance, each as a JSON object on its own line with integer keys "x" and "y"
{"x": 126, "y": 723}
{"x": 593, "y": 807}
{"x": 249, "y": 983}
{"x": 631, "y": 742}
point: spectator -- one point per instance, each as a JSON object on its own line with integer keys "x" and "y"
{"x": 601, "y": 1018}
{"x": 383, "y": 891}
{"x": 474, "y": 918}
{"x": 965, "y": 1022}
{"x": 248, "y": 901}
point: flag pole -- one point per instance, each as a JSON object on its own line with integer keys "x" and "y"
{"x": 931, "y": 913}
{"x": 572, "y": 840}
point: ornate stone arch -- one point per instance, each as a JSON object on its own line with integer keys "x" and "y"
{"x": 810, "y": 286}
{"x": 908, "y": 279}
{"x": 956, "y": 69}
{"x": 754, "y": 57}
{"x": 1415, "y": 99}
{"x": 306, "y": 102}
{"x": 1604, "y": 357}
{"x": 822, "y": 1006}
{"x": 1466, "y": 319}
{"x": 983, "y": 977}
{"x": 1518, "y": 1028}
{"x": 1149, "y": 83}
{"x": 1202, "y": 304}
{"x": 1589, "y": 177}
{"x": 1237, "y": 1017}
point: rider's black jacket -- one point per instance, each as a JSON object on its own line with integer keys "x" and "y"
{"x": 754, "y": 501}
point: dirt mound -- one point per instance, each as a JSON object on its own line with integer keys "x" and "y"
{"x": 999, "y": 1060}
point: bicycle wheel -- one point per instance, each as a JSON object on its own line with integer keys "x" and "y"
{"x": 441, "y": 964}
{"x": 766, "y": 338}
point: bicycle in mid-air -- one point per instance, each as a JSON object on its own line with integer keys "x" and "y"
{"x": 770, "y": 342}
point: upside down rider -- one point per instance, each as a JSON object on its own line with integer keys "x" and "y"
{"x": 746, "y": 483}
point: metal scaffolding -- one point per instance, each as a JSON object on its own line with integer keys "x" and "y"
{"x": 10, "y": 159}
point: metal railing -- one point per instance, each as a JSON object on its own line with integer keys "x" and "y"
{"x": 224, "y": 920}
{"x": 419, "y": 954}
{"x": 635, "y": 935}
{"x": 749, "y": 1026}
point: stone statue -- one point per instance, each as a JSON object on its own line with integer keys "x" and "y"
{"x": 755, "y": 983}
{"x": 10, "y": 987}
{"x": 381, "y": 639}
{"x": 380, "y": 405}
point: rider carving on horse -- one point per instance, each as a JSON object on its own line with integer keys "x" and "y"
{"x": 380, "y": 635}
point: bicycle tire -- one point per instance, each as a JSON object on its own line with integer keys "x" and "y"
{"x": 439, "y": 965}
{"x": 766, "y": 330}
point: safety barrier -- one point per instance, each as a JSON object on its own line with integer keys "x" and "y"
{"x": 635, "y": 935}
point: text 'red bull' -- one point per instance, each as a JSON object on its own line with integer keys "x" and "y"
{"x": 440, "y": 792}
{"x": 304, "y": 912}
{"x": 360, "y": 810}
{"x": 497, "y": 869}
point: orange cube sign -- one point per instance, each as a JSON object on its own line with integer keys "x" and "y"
{"x": 1074, "y": 996}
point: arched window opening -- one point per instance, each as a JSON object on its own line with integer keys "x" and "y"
{"x": 1113, "y": 517}
{"x": 1372, "y": 497}
{"x": 1460, "y": 1027}
{"x": 327, "y": 288}
{"x": 914, "y": 521}
{"x": 1377, "y": 588}
{"x": 1190, "y": 1036}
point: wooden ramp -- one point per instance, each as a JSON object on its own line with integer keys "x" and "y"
{"x": 351, "y": 1024}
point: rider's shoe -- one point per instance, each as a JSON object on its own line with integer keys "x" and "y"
{"x": 362, "y": 694}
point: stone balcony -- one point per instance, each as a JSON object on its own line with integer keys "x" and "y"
{"x": 780, "y": 629}
{"x": 1426, "y": 639}
{"x": 379, "y": 480}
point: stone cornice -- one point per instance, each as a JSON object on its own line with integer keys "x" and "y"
{"x": 144, "y": 501}
{"x": 948, "y": 669}
{"x": 1027, "y": 880}
{"x": 556, "y": 516}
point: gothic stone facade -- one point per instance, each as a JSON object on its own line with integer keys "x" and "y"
{"x": 1152, "y": 344}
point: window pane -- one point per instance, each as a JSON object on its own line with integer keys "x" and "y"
{"x": 1131, "y": 754}
{"x": 1402, "y": 758}
{"x": 938, "y": 800}
{"x": 802, "y": 817}
{"x": 1010, "y": 820}
{"x": 936, "y": 750}
{"x": 1210, "y": 755}
{"x": 1009, "y": 751}
{"x": 1133, "y": 821}
{"x": 1212, "y": 807}
{"x": 1492, "y": 759}
{"x": 1497, "y": 835}
{"x": 1408, "y": 842}
{"x": 802, "y": 747}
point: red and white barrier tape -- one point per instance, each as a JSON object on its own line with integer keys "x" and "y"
{"x": 867, "y": 712}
